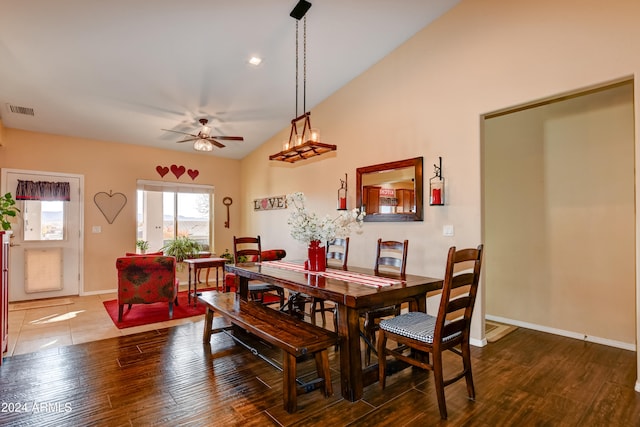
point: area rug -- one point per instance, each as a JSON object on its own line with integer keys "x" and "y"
{"x": 494, "y": 331}
{"x": 144, "y": 314}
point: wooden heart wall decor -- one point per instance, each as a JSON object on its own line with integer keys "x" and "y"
{"x": 177, "y": 171}
{"x": 110, "y": 204}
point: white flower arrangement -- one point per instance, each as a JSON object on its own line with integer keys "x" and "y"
{"x": 308, "y": 226}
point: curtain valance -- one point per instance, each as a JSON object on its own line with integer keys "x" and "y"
{"x": 43, "y": 190}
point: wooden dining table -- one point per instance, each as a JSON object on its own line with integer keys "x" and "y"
{"x": 354, "y": 291}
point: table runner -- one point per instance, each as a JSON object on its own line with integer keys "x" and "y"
{"x": 347, "y": 276}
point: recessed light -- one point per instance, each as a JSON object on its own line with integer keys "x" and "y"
{"x": 255, "y": 61}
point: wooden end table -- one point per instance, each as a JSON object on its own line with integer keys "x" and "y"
{"x": 196, "y": 264}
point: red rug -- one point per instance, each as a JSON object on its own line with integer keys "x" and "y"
{"x": 144, "y": 314}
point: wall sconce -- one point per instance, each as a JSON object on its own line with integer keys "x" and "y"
{"x": 342, "y": 194}
{"x": 436, "y": 186}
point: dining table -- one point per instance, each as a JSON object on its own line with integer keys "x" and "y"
{"x": 354, "y": 291}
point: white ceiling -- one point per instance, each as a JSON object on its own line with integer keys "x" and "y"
{"x": 122, "y": 70}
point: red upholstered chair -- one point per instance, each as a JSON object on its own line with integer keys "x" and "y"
{"x": 145, "y": 279}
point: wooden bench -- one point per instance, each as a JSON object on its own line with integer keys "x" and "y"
{"x": 293, "y": 336}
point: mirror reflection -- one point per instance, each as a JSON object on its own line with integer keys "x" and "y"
{"x": 391, "y": 191}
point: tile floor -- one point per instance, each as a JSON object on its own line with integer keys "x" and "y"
{"x": 85, "y": 319}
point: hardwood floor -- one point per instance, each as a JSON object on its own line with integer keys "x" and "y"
{"x": 168, "y": 377}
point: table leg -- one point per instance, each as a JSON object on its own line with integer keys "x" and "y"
{"x": 350, "y": 358}
{"x": 242, "y": 284}
{"x": 189, "y": 289}
{"x": 195, "y": 285}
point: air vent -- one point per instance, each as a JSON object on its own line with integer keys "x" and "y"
{"x": 21, "y": 110}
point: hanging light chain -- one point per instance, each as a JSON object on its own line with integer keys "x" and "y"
{"x": 304, "y": 68}
{"x": 297, "y": 61}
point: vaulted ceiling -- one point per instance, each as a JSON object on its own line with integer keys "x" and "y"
{"x": 122, "y": 70}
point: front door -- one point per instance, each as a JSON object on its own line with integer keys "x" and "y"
{"x": 47, "y": 244}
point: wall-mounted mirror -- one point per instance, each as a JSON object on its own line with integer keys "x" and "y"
{"x": 391, "y": 191}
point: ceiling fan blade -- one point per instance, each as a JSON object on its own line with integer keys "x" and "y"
{"x": 228, "y": 138}
{"x": 216, "y": 143}
{"x": 177, "y": 131}
{"x": 188, "y": 139}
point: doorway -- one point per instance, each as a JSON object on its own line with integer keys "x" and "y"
{"x": 46, "y": 249}
{"x": 559, "y": 216}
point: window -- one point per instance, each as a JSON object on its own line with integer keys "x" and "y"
{"x": 168, "y": 210}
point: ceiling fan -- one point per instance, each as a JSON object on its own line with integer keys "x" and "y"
{"x": 204, "y": 141}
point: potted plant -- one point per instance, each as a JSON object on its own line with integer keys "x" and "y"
{"x": 229, "y": 257}
{"x": 182, "y": 247}
{"x": 142, "y": 245}
{"x": 8, "y": 210}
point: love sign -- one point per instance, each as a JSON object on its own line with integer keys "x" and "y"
{"x": 270, "y": 203}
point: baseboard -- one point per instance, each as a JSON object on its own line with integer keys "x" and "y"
{"x": 561, "y": 332}
{"x": 478, "y": 343}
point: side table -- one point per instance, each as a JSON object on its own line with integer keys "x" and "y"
{"x": 196, "y": 264}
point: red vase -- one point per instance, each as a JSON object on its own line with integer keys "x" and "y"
{"x": 317, "y": 256}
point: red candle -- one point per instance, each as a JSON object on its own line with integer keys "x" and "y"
{"x": 436, "y": 196}
{"x": 343, "y": 203}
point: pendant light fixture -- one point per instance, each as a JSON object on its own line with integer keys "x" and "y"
{"x": 304, "y": 141}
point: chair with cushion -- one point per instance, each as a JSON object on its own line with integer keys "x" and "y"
{"x": 391, "y": 256}
{"x": 145, "y": 279}
{"x": 337, "y": 255}
{"x": 421, "y": 333}
{"x": 250, "y": 249}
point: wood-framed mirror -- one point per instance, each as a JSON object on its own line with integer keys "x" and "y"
{"x": 391, "y": 191}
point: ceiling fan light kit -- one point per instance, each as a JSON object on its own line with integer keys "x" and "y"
{"x": 302, "y": 143}
{"x": 202, "y": 145}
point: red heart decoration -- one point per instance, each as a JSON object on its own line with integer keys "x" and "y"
{"x": 193, "y": 173}
{"x": 264, "y": 203}
{"x": 178, "y": 171}
{"x": 162, "y": 170}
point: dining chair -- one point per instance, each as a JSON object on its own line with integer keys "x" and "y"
{"x": 391, "y": 256}
{"x": 423, "y": 334}
{"x": 251, "y": 248}
{"x": 337, "y": 255}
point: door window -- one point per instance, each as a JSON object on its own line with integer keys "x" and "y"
{"x": 43, "y": 220}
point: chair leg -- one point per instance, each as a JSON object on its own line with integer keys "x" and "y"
{"x": 370, "y": 335}
{"x": 335, "y": 325}
{"x": 466, "y": 361}
{"x": 382, "y": 359}
{"x": 120, "y": 310}
{"x": 313, "y": 311}
{"x": 438, "y": 378}
{"x": 280, "y": 292}
{"x": 170, "y": 310}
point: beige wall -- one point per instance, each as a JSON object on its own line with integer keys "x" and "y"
{"x": 559, "y": 216}
{"x": 427, "y": 98}
{"x": 116, "y": 167}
